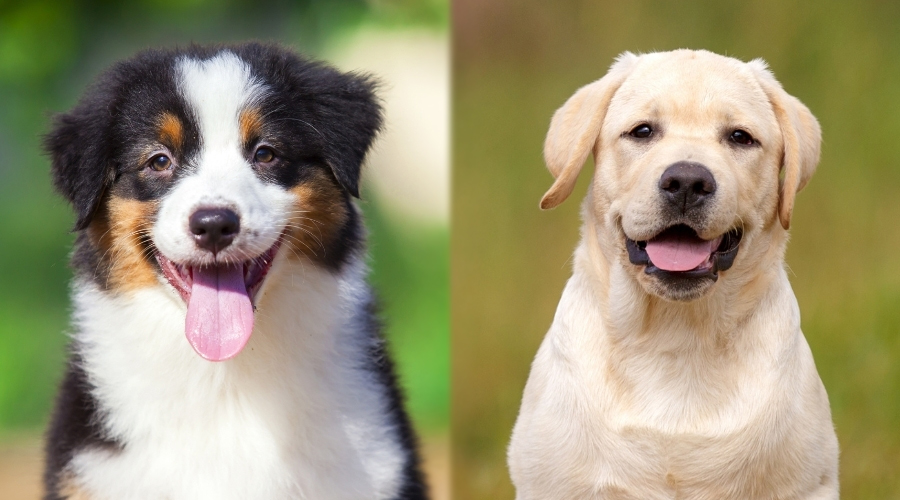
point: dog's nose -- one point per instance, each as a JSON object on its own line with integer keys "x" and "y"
{"x": 686, "y": 184}
{"x": 214, "y": 228}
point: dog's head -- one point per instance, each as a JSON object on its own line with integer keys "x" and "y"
{"x": 696, "y": 155}
{"x": 197, "y": 167}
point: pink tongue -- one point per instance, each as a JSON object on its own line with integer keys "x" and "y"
{"x": 680, "y": 252}
{"x": 219, "y": 316}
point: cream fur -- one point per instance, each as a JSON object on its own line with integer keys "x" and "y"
{"x": 636, "y": 396}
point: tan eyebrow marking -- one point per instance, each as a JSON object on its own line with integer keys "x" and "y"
{"x": 250, "y": 123}
{"x": 171, "y": 130}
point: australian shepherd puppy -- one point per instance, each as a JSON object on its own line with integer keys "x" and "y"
{"x": 224, "y": 341}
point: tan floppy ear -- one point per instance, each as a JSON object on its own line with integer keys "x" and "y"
{"x": 802, "y": 138}
{"x": 575, "y": 127}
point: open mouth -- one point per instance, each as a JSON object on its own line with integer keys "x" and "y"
{"x": 679, "y": 252}
{"x": 220, "y": 301}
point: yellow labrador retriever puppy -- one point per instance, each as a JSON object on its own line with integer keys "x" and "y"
{"x": 675, "y": 366}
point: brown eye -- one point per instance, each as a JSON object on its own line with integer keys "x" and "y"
{"x": 160, "y": 163}
{"x": 263, "y": 155}
{"x": 642, "y": 131}
{"x": 742, "y": 137}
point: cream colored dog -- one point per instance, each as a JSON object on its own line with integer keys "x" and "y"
{"x": 675, "y": 366}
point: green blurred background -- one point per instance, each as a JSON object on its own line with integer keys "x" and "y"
{"x": 50, "y": 51}
{"x": 516, "y": 61}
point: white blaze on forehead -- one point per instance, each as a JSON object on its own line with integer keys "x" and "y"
{"x": 217, "y": 89}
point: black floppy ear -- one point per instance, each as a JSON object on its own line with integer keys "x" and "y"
{"x": 82, "y": 165}
{"x": 349, "y": 118}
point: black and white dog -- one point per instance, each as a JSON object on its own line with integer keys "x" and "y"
{"x": 213, "y": 191}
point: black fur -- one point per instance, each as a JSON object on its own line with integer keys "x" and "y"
{"x": 75, "y": 425}
{"x": 334, "y": 117}
{"x": 316, "y": 117}
{"x": 92, "y": 145}
{"x": 82, "y": 168}
{"x": 337, "y": 112}
{"x": 381, "y": 365}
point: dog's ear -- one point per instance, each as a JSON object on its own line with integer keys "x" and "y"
{"x": 802, "y": 139}
{"x": 81, "y": 162}
{"x": 342, "y": 108}
{"x": 575, "y": 128}
{"x": 350, "y": 116}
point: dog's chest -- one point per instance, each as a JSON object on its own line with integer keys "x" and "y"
{"x": 613, "y": 423}
{"x": 294, "y": 416}
{"x": 243, "y": 457}
{"x": 640, "y": 463}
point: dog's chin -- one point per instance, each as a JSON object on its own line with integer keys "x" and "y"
{"x": 675, "y": 287}
{"x": 686, "y": 266}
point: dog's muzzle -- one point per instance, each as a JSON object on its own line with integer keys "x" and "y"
{"x": 678, "y": 252}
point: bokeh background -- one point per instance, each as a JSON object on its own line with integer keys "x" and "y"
{"x": 51, "y": 49}
{"x": 516, "y": 61}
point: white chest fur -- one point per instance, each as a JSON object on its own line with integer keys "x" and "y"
{"x": 295, "y": 415}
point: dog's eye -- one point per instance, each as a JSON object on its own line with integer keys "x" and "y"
{"x": 742, "y": 137}
{"x": 263, "y": 155}
{"x": 160, "y": 163}
{"x": 642, "y": 131}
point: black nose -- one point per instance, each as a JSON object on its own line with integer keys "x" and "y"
{"x": 214, "y": 228}
{"x": 686, "y": 185}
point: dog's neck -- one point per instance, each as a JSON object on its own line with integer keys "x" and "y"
{"x": 298, "y": 399}
{"x": 689, "y": 355}
{"x": 139, "y": 337}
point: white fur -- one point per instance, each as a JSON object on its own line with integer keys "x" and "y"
{"x": 293, "y": 416}
{"x": 296, "y": 414}
{"x": 217, "y": 90}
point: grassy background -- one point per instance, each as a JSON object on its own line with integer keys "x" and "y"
{"x": 516, "y": 61}
{"x": 49, "y": 52}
